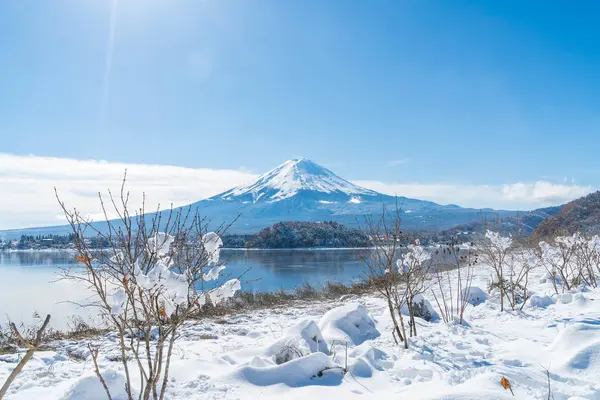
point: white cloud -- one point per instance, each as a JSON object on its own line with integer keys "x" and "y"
{"x": 515, "y": 196}
{"x": 544, "y": 192}
{"x": 27, "y": 186}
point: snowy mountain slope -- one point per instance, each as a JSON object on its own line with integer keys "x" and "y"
{"x": 302, "y": 190}
{"x": 294, "y": 177}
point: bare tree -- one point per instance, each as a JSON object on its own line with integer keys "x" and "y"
{"x": 385, "y": 234}
{"x": 32, "y": 344}
{"x": 518, "y": 265}
{"x": 587, "y": 259}
{"x": 493, "y": 250}
{"x": 453, "y": 276}
{"x": 147, "y": 282}
{"x": 414, "y": 268}
{"x": 559, "y": 260}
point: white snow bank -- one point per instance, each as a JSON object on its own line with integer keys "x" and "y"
{"x": 565, "y": 298}
{"x": 365, "y": 359}
{"x": 302, "y": 339}
{"x": 434, "y": 316}
{"x": 474, "y": 295}
{"x": 540, "y": 301}
{"x": 585, "y": 361}
{"x": 90, "y": 388}
{"x": 350, "y": 323}
{"x": 313, "y": 369}
{"x": 578, "y": 348}
{"x": 572, "y": 297}
{"x": 579, "y": 299}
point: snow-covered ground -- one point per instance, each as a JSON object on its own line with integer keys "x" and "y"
{"x": 234, "y": 358}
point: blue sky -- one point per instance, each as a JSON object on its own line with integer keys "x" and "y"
{"x": 413, "y": 91}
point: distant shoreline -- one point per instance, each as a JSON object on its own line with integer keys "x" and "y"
{"x": 37, "y": 251}
{"x": 222, "y": 248}
{"x": 294, "y": 248}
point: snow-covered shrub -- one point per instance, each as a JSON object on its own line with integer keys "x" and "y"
{"x": 423, "y": 309}
{"x": 90, "y": 387}
{"x": 573, "y": 261}
{"x": 453, "y": 284}
{"x": 312, "y": 369}
{"x": 287, "y": 353}
{"x": 148, "y": 282}
{"x": 414, "y": 268}
{"x": 302, "y": 339}
{"x": 564, "y": 260}
{"x": 349, "y": 324}
{"x": 420, "y": 310}
{"x": 365, "y": 359}
{"x": 474, "y": 295}
{"x": 511, "y": 263}
{"x": 385, "y": 271}
{"x": 494, "y": 250}
{"x": 496, "y": 287}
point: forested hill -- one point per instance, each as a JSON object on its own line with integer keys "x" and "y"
{"x": 581, "y": 215}
{"x": 522, "y": 224}
{"x": 294, "y": 234}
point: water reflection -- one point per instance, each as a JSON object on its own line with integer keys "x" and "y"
{"x": 271, "y": 270}
{"x": 37, "y": 258}
{"x": 264, "y": 270}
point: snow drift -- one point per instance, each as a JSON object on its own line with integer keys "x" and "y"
{"x": 350, "y": 323}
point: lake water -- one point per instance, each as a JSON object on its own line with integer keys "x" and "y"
{"x": 28, "y": 279}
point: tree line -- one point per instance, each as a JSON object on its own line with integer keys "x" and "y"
{"x": 297, "y": 234}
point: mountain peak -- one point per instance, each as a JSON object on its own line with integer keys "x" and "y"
{"x": 292, "y": 177}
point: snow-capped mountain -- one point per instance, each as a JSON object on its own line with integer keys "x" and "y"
{"x": 297, "y": 177}
{"x": 301, "y": 190}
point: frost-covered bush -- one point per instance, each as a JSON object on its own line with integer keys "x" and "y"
{"x": 423, "y": 309}
{"x": 572, "y": 260}
{"x": 494, "y": 250}
{"x": 414, "y": 268}
{"x": 453, "y": 284}
{"x": 302, "y": 339}
{"x": 154, "y": 275}
{"x": 287, "y": 353}
{"x": 420, "y": 310}
{"x": 349, "y": 324}
{"x": 474, "y": 295}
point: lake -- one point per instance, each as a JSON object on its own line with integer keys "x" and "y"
{"x": 28, "y": 279}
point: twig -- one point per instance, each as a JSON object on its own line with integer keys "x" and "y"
{"x": 94, "y": 354}
{"x": 550, "y": 396}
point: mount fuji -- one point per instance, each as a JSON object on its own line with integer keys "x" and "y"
{"x": 302, "y": 190}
